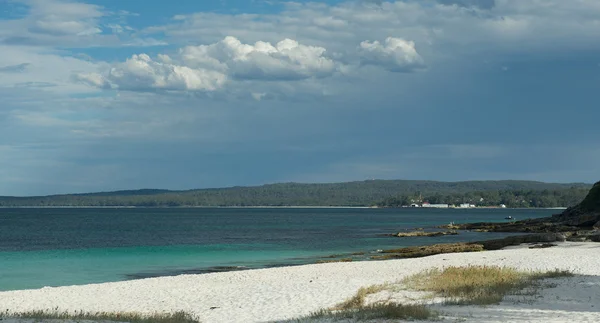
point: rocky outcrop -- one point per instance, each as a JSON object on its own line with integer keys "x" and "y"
{"x": 423, "y": 234}
{"x": 517, "y": 240}
{"x": 579, "y": 223}
{"x": 584, "y": 216}
{"x": 424, "y": 251}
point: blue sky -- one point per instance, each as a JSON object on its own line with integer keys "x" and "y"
{"x": 109, "y": 95}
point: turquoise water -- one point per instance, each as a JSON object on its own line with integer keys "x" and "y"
{"x": 58, "y": 247}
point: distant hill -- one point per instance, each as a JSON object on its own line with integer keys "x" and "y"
{"x": 361, "y": 193}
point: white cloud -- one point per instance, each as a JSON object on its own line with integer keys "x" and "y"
{"x": 42, "y": 68}
{"x": 210, "y": 67}
{"x": 396, "y": 55}
{"x": 68, "y": 23}
{"x": 144, "y": 42}
{"x": 116, "y": 28}
{"x": 93, "y": 79}
{"x": 287, "y": 60}
{"x": 64, "y": 18}
{"x": 140, "y": 73}
{"x": 439, "y": 29}
{"x": 233, "y": 87}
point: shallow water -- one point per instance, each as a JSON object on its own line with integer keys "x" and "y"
{"x": 67, "y": 246}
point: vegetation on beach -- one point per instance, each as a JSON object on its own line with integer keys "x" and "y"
{"x": 389, "y": 311}
{"x": 176, "y": 317}
{"x": 355, "y": 308}
{"x": 383, "y": 193}
{"x": 470, "y": 285}
{"x": 358, "y": 300}
{"x": 477, "y": 285}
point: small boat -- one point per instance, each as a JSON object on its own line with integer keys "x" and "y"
{"x": 508, "y": 217}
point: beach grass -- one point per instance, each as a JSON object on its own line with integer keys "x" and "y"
{"x": 386, "y": 311}
{"x": 176, "y": 317}
{"x": 358, "y": 300}
{"x": 478, "y": 285}
{"x": 355, "y": 308}
{"x": 470, "y": 285}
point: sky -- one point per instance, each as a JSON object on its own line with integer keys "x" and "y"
{"x": 112, "y": 95}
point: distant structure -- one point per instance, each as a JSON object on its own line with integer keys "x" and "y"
{"x": 466, "y": 206}
{"x": 435, "y": 206}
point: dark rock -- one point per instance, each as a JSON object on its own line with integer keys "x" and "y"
{"x": 423, "y": 234}
{"x": 543, "y": 245}
{"x": 584, "y": 220}
{"x": 423, "y": 251}
{"x": 517, "y": 240}
{"x": 586, "y": 216}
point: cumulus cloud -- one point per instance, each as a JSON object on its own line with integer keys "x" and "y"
{"x": 287, "y": 60}
{"x": 209, "y": 67}
{"x": 140, "y": 73}
{"x": 395, "y": 55}
{"x": 93, "y": 79}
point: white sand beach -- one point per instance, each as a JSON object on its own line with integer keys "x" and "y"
{"x": 279, "y": 294}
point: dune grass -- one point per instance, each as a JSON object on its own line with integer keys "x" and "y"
{"x": 358, "y": 300}
{"x": 355, "y": 308}
{"x": 478, "y": 285}
{"x": 176, "y": 317}
{"x": 386, "y": 311}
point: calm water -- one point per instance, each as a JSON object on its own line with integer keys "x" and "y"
{"x": 58, "y": 247}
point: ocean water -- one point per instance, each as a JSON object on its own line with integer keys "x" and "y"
{"x": 68, "y": 246}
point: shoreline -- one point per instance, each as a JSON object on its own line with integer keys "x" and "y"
{"x": 278, "y": 207}
{"x": 371, "y": 255}
{"x": 286, "y": 293}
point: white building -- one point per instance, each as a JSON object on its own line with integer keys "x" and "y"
{"x": 436, "y": 206}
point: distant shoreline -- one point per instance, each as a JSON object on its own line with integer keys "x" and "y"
{"x": 273, "y": 207}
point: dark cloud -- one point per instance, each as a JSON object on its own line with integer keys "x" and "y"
{"x": 19, "y": 68}
{"x": 377, "y": 2}
{"x": 18, "y": 40}
{"x": 481, "y": 4}
{"x": 35, "y": 84}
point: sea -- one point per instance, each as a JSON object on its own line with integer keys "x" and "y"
{"x": 49, "y": 247}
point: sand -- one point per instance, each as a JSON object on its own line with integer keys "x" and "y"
{"x": 279, "y": 294}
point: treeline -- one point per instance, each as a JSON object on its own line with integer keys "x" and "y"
{"x": 510, "y": 198}
{"x": 364, "y": 193}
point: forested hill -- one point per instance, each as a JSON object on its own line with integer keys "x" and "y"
{"x": 364, "y": 193}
